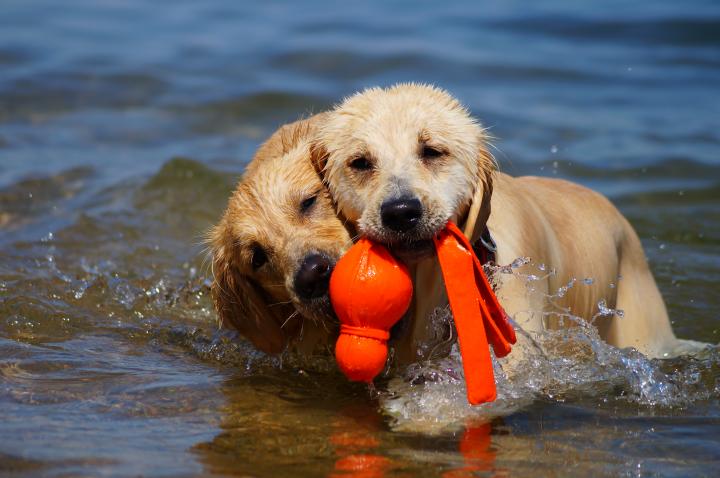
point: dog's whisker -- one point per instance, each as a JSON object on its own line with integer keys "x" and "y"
{"x": 352, "y": 240}
{"x": 325, "y": 326}
{"x": 290, "y": 317}
{"x": 280, "y": 303}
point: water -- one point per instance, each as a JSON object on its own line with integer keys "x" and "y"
{"x": 123, "y": 127}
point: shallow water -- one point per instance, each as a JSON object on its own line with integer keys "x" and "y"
{"x": 123, "y": 127}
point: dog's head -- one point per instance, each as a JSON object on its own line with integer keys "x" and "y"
{"x": 276, "y": 245}
{"x": 400, "y": 162}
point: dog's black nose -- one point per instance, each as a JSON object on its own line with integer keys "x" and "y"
{"x": 313, "y": 277}
{"x": 402, "y": 214}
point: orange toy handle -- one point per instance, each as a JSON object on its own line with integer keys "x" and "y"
{"x": 458, "y": 262}
{"x": 494, "y": 315}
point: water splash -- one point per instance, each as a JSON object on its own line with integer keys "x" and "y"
{"x": 555, "y": 365}
{"x": 173, "y": 311}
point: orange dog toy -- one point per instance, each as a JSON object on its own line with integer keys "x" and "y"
{"x": 468, "y": 299}
{"x": 370, "y": 291}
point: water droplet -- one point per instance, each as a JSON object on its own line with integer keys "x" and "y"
{"x": 519, "y": 262}
{"x": 662, "y": 246}
{"x": 553, "y": 149}
{"x": 588, "y": 281}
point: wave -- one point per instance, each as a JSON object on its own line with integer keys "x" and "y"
{"x": 251, "y": 110}
{"x": 51, "y": 93}
{"x": 686, "y": 32}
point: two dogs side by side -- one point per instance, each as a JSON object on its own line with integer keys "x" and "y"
{"x": 395, "y": 165}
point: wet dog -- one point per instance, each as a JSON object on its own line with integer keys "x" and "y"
{"x": 401, "y": 162}
{"x": 275, "y": 246}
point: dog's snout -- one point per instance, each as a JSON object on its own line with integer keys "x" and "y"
{"x": 313, "y": 277}
{"x": 402, "y": 214}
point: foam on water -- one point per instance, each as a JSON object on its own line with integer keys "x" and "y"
{"x": 556, "y": 365}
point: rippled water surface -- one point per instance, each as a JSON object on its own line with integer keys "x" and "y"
{"x": 125, "y": 124}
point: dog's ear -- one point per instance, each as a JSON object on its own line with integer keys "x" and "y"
{"x": 486, "y": 170}
{"x": 319, "y": 158}
{"x": 242, "y": 304}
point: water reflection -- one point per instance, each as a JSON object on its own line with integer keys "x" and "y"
{"x": 319, "y": 430}
{"x": 356, "y": 439}
{"x": 289, "y": 424}
{"x": 476, "y": 449}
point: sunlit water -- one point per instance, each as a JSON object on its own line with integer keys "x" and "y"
{"x": 123, "y": 128}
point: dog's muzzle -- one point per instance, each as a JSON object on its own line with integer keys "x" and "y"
{"x": 401, "y": 215}
{"x": 313, "y": 277}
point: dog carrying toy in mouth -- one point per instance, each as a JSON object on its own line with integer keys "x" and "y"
{"x": 370, "y": 291}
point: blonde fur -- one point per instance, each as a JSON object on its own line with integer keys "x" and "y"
{"x": 265, "y": 214}
{"x": 568, "y": 227}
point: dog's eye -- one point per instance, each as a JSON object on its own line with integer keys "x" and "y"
{"x": 361, "y": 164}
{"x": 308, "y": 203}
{"x": 428, "y": 152}
{"x": 259, "y": 257}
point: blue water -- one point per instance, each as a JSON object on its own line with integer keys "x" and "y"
{"x": 109, "y": 363}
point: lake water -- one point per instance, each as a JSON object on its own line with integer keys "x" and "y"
{"x": 125, "y": 124}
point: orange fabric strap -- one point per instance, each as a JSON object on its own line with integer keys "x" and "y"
{"x": 493, "y": 314}
{"x": 479, "y": 317}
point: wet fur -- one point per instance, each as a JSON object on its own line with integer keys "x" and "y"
{"x": 265, "y": 211}
{"x": 570, "y": 228}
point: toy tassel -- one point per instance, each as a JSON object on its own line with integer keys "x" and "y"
{"x": 470, "y": 301}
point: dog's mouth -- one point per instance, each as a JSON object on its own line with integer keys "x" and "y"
{"x": 413, "y": 251}
{"x": 318, "y": 309}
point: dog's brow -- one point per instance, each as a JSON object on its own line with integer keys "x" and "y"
{"x": 424, "y": 136}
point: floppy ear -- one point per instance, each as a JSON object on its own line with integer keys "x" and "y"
{"x": 486, "y": 172}
{"x": 242, "y": 304}
{"x": 478, "y": 212}
{"x": 319, "y": 158}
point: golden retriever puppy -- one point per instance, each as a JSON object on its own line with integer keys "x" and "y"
{"x": 275, "y": 246}
{"x": 401, "y": 162}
